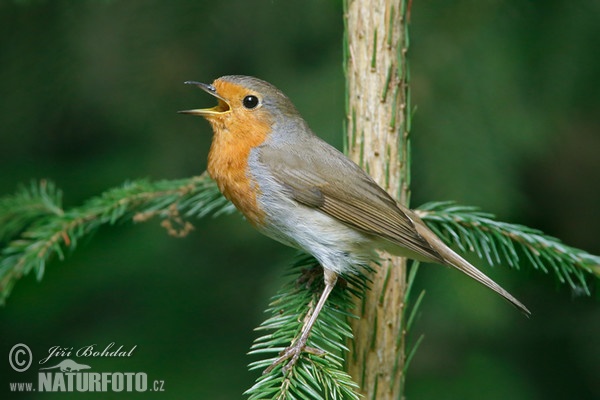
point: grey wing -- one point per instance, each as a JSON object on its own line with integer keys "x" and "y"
{"x": 321, "y": 181}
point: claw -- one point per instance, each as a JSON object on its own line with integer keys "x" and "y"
{"x": 293, "y": 354}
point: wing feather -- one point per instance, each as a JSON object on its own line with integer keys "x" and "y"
{"x": 321, "y": 182}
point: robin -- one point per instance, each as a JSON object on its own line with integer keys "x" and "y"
{"x": 297, "y": 189}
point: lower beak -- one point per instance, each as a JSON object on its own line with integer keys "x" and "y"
{"x": 220, "y": 108}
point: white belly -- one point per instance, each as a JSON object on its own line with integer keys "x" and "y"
{"x": 335, "y": 245}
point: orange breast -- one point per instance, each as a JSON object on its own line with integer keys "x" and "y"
{"x": 228, "y": 160}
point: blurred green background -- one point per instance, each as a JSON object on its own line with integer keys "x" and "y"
{"x": 507, "y": 119}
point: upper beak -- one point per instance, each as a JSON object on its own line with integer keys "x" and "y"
{"x": 220, "y": 108}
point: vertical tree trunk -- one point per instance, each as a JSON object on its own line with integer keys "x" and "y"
{"x": 377, "y": 139}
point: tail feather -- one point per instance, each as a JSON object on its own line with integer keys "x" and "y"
{"x": 464, "y": 266}
{"x": 454, "y": 260}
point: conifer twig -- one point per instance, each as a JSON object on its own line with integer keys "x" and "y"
{"x": 36, "y": 228}
{"x": 313, "y": 376}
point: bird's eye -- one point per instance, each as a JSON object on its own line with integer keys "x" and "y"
{"x": 250, "y": 101}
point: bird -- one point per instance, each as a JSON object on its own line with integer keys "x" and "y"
{"x": 297, "y": 189}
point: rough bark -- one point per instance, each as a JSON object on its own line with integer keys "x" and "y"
{"x": 377, "y": 139}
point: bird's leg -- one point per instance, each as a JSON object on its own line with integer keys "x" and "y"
{"x": 298, "y": 346}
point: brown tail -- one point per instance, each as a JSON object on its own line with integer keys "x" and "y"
{"x": 456, "y": 261}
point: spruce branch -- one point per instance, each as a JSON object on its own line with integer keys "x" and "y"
{"x": 313, "y": 376}
{"x": 472, "y": 230}
{"x": 26, "y": 206}
{"x": 35, "y": 228}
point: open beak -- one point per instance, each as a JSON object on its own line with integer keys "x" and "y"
{"x": 220, "y": 108}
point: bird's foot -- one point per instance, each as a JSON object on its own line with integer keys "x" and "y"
{"x": 292, "y": 354}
